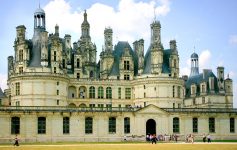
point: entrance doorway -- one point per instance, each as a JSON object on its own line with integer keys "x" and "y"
{"x": 151, "y": 126}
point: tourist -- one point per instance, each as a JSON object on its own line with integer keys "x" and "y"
{"x": 154, "y": 139}
{"x": 209, "y": 138}
{"x": 204, "y": 138}
{"x": 16, "y": 141}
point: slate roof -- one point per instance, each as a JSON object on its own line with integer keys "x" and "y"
{"x": 165, "y": 65}
{"x": 197, "y": 79}
{"x": 117, "y": 53}
{"x": 2, "y": 95}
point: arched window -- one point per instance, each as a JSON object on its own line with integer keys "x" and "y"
{"x": 100, "y": 92}
{"x": 88, "y": 125}
{"x": 176, "y": 125}
{"x": 15, "y": 125}
{"x": 108, "y": 92}
{"x": 126, "y": 125}
{"x": 112, "y": 125}
{"x": 92, "y": 92}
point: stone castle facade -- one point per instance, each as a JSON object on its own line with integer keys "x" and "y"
{"x": 58, "y": 92}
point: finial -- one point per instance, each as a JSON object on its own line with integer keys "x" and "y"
{"x": 194, "y": 49}
{"x": 228, "y": 76}
{"x": 39, "y": 3}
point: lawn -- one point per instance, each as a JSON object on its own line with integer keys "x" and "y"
{"x": 122, "y": 146}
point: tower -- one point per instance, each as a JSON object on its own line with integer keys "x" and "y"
{"x": 156, "y": 48}
{"x": 138, "y": 47}
{"x": 194, "y": 65}
{"x": 174, "y": 59}
{"x": 155, "y": 32}
{"x": 85, "y": 29}
{"x": 108, "y": 37}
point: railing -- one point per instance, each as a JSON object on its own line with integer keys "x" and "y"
{"x": 109, "y": 109}
{"x": 65, "y": 109}
{"x": 202, "y": 110}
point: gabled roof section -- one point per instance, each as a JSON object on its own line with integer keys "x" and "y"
{"x": 118, "y": 52}
{"x": 152, "y": 109}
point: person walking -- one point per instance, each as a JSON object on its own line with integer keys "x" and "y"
{"x": 209, "y": 138}
{"x": 204, "y": 138}
{"x": 16, "y": 143}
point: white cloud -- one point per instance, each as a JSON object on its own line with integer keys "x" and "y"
{"x": 204, "y": 59}
{"x": 3, "y": 81}
{"x": 233, "y": 39}
{"x": 130, "y": 21}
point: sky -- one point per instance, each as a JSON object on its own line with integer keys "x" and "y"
{"x": 207, "y": 27}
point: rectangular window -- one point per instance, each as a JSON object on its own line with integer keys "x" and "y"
{"x": 17, "y": 84}
{"x": 57, "y": 102}
{"x": 232, "y": 125}
{"x": 57, "y": 92}
{"x": 173, "y": 91}
{"x": 55, "y": 70}
{"x": 119, "y": 93}
{"x": 179, "y": 105}
{"x": 88, "y": 125}
{"x": 41, "y": 125}
{"x": 21, "y": 55}
{"x": 179, "y": 92}
{"x": 0, "y": 102}
{"x": 78, "y": 63}
{"x": 58, "y": 83}
{"x": 112, "y": 125}
{"x": 127, "y": 93}
{"x": 108, "y": 93}
{"x": 78, "y": 75}
{"x": 92, "y": 105}
{"x": 173, "y": 105}
{"x": 100, "y": 105}
{"x": 211, "y": 125}
{"x": 126, "y": 125}
{"x": 15, "y": 125}
{"x": 54, "y": 56}
{"x": 203, "y": 88}
{"x": 203, "y": 100}
{"x": 126, "y": 65}
{"x": 195, "y": 125}
{"x": 64, "y": 64}
{"x": 17, "y": 103}
{"x": 126, "y": 77}
{"x": 175, "y": 125}
{"x": 66, "y": 125}
{"x": 20, "y": 70}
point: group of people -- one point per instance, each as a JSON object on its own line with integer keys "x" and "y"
{"x": 153, "y": 138}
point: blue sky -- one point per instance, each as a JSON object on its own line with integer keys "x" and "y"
{"x": 208, "y": 25}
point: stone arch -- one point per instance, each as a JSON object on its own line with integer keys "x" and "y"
{"x": 150, "y": 127}
{"x": 72, "y": 92}
{"x": 82, "y": 92}
{"x": 82, "y": 105}
{"x": 72, "y": 105}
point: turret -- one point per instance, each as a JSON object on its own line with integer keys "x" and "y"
{"x": 155, "y": 32}
{"x": 174, "y": 59}
{"x": 194, "y": 65}
{"x": 85, "y": 28}
{"x": 220, "y": 79}
{"x": 108, "y": 38}
{"x": 20, "y": 33}
{"x": 138, "y": 47}
{"x": 39, "y": 19}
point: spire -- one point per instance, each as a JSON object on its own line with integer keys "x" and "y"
{"x": 85, "y": 28}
